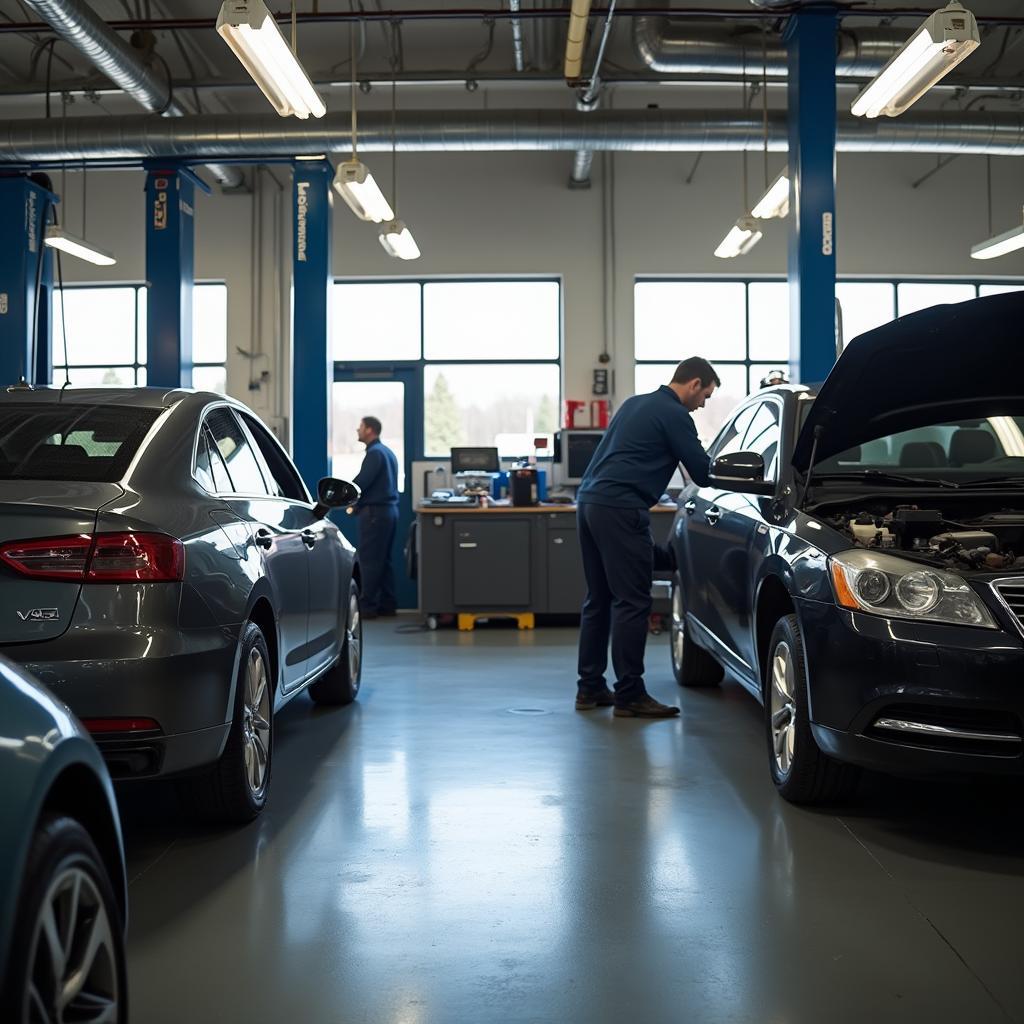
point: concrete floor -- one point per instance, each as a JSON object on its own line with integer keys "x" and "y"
{"x": 462, "y": 846}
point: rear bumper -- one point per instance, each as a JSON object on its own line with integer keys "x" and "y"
{"x": 184, "y": 679}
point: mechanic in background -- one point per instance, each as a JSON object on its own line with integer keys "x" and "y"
{"x": 378, "y": 519}
{"x": 648, "y": 437}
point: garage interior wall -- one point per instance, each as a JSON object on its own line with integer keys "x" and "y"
{"x": 511, "y": 213}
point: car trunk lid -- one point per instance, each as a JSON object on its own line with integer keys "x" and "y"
{"x": 33, "y": 609}
{"x": 958, "y": 361}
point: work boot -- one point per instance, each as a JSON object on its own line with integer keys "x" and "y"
{"x": 645, "y": 707}
{"x": 587, "y": 700}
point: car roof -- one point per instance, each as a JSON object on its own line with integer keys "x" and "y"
{"x": 144, "y": 398}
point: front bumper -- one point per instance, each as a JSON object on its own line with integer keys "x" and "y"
{"x": 914, "y": 698}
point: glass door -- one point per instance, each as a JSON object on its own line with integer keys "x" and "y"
{"x": 392, "y": 394}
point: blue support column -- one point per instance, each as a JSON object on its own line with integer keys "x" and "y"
{"x": 810, "y": 38}
{"x": 44, "y": 339}
{"x": 24, "y": 214}
{"x": 170, "y": 274}
{"x": 312, "y": 371}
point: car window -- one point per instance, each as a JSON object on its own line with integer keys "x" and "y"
{"x": 731, "y": 438}
{"x": 210, "y": 469}
{"x": 70, "y": 442}
{"x": 284, "y": 479}
{"x": 762, "y": 436}
{"x": 231, "y": 443}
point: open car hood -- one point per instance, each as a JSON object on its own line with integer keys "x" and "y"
{"x": 960, "y": 361}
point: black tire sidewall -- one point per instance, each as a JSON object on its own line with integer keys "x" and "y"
{"x": 787, "y": 630}
{"x": 60, "y": 842}
{"x": 252, "y": 637}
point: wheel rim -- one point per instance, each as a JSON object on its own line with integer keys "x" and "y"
{"x": 678, "y": 623}
{"x": 783, "y": 707}
{"x": 354, "y": 640}
{"x": 256, "y": 722}
{"x": 73, "y": 958}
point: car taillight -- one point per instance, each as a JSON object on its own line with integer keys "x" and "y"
{"x": 106, "y": 725}
{"x": 136, "y": 557}
{"x": 104, "y": 558}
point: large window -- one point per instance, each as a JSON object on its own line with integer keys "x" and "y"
{"x": 106, "y": 336}
{"x": 743, "y": 327}
{"x": 488, "y": 351}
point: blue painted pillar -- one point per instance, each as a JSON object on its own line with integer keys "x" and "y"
{"x": 810, "y": 39}
{"x": 312, "y": 370}
{"x": 24, "y": 214}
{"x": 44, "y": 338}
{"x": 170, "y": 274}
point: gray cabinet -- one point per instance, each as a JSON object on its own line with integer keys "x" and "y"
{"x": 566, "y": 585}
{"x": 491, "y": 564}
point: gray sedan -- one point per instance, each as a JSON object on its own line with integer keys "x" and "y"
{"x": 167, "y": 574}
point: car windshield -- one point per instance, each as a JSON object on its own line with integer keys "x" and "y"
{"x": 960, "y": 452}
{"x": 93, "y": 443}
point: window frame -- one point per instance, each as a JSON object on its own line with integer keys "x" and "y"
{"x": 371, "y": 369}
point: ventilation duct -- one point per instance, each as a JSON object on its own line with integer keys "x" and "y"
{"x": 251, "y": 137}
{"x": 78, "y": 25}
{"x": 704, "y": 48}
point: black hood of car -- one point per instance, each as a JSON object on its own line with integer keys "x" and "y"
{"x": 960, "y": 361}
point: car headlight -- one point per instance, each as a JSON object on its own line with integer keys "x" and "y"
{"x": 883, "y": 584}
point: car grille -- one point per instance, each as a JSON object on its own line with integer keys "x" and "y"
{"x": 1011, "y": 592}
{"x": 950, "y": 729}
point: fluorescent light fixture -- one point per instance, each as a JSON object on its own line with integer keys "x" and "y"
{"x": 356, "y": 186}
{"x": 1008, "y": 241}
{"x": 58, "y": 238}
{"x": 398, "y": 241}
{"x": 251, "y": 32}
{"x": 942, "y": 42}
{"x": 775, "y": 201}
{"x": 742, "y": 237}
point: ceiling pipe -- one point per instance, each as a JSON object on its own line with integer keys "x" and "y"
{"x": 517, "y": 36}
{"x": 254, "y": 136}
{"x": 78, "y": 25}
{"x": 589, "y": 100}
{"x": 706, "y": 48}
{"x": 576, "y": 39}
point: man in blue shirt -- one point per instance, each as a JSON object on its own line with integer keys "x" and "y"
{"x": 378, "y": 519}
{"x": 648, "y": 437}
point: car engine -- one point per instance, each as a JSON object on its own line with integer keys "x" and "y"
{"x": 983, "y": 543}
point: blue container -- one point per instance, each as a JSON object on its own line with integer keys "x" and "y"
{"x": 499, "y": 486}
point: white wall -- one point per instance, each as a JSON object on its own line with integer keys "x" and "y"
{"x": 502, "y": 213}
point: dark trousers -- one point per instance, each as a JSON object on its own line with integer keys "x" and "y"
{"x": 618, "y": 554}
{"x": 377, "y": 525}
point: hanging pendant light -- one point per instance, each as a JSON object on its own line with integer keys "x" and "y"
{"x": 395, "y": 237}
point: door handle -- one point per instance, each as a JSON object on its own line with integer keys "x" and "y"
{"x": 467, "y": 545}
{"x": 308, "y": 538}
{"x": 559, "y": 540}
{"x": 264, "y": 538}
{"x": 712, "y": 515}
{"x": 690, "y": 507}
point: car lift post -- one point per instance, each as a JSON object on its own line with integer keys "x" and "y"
{"x": 810, "y": 38}
{"x": 170, "y": 272}
{"x": 26, "y": 281}
{"x": 312, "y": 370}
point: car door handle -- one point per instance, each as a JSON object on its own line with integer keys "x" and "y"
{"x": 690, "y": 507}
{"x": 309, "y": 538}
{"x": 264, "y": 538}
{"x": 712, "y": 515}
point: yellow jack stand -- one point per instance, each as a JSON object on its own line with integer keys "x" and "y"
{"x": 468, "y": 620}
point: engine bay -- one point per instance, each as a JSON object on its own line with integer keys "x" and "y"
{"x": 986, "y": 542}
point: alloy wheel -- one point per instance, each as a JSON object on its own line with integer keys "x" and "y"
{"x": 256, "y": 722}
{"x": 678, "y": 626}
{"x": 783, "y": 707}
{"x": 73, "y": 958}
{"x": 354, "y": 640}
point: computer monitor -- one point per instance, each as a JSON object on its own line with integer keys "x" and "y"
{"x": 475, "y": 460}
{"x": 575, "y": 449}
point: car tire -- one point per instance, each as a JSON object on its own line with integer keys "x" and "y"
{"x": 234, "y": 791}
{"x": 691, "y": 665}
{"x": 66, "y": 881}
{"x": 340, "y": 684}
{"x": 802, "y": 773}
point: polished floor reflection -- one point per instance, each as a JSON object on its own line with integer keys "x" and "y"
{"x": 462, "y": 847}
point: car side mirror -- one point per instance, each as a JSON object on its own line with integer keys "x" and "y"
{"x": 334, "y": 493}
{"x": 741, "y": 471}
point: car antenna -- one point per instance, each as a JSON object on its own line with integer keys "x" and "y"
{"x": 818, "y": 431}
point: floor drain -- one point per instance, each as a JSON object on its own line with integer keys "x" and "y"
{"x": 527, "y": 711}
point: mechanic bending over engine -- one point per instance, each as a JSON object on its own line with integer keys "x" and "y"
{"x": 648, "y": 437}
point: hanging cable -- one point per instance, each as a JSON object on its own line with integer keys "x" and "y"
{"x": 295, "y": 31}
{"x": 394, "y": 144}
{"x": 764, "y": 98}
{"x": 988, "y": 175}
{"x": 352, "y": 57}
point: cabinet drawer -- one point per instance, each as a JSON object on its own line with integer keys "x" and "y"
{"x": 491, "y": 564}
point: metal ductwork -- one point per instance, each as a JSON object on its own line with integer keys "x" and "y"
{"x": 250, "y": 137}
{"x": 79, "y": 25}
{"x": 705, "y": 48}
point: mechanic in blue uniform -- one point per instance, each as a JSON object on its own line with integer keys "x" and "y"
{"x": 378, "y": 519}
{"x": 648, "y": 437}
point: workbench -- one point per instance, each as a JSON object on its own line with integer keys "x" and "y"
{"x": 506, "y": 559}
